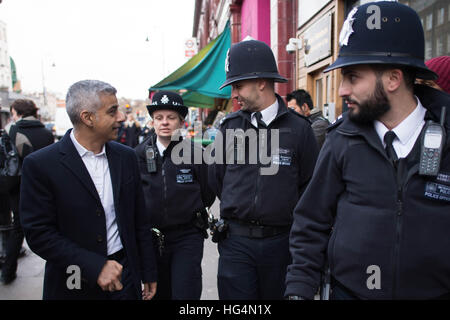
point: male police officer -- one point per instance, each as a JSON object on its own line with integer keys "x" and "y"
{"x": 258, "y": 207}
{"x": 378, "y": 197}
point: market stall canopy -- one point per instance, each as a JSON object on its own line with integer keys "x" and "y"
{"x": 192, "y": 98}
{"x": 203, "y": 74}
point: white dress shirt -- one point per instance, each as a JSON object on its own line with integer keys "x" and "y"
{"x": 160, "y": 147}
{"x": 407, "y": 131}
{"x": 98, "y": 168}
{"x": 268, "y": 114}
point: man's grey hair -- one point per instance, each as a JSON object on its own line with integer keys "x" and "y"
{"x": 85, "y": 95}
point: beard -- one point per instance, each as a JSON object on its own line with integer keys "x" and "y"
{"x": 371, "y": 109}
{"x": 248, "y": 105}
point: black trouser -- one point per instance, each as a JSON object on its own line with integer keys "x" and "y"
{"x": 179, "y": 268}
{"x": 14, "y": 241}
{"x": 252, "y": 268}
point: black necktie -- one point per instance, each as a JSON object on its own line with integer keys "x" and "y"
{"x": 388, "y": 138}
{"x": 261, "y": 123}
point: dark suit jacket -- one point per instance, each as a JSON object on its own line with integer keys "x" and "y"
{"x": 64, "y": 221}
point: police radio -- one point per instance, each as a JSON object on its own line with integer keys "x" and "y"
{"x": 150, "y": 155}
{"x": 432, "y": 144}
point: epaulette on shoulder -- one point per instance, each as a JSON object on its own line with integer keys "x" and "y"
{"x": 299, "y": 115}
{"x": 336, "y": 123}
{"x": 229, "y": 116}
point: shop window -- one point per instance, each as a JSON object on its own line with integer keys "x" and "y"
{"x": 428, "y": 49}
{"x": 328, "y": 89}
{"x": 440, "y": 46}
{"x": 437, "y": 36}
{"x": 448, "y": 42}
{"x": 440, "y": 16}
{"x": 429, "y": 25}
{"x": 319, "y": 92}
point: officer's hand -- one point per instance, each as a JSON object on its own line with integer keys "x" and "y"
{"x": 149, "y": 291}
{"x": 110, "y": 276}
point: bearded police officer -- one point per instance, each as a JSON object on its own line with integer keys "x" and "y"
{"x": 256, "y": 205}
{"x": 378, "y": 206}
{"x": 176, "y": 192}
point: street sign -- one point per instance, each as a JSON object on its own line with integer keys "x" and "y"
{"x": 190, "y": 47}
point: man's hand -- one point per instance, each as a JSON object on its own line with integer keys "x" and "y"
{"x": 149, "y": 291}
{"x": 110, "y": 276}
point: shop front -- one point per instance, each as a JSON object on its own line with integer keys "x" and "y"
{"x": 319, "y": 24}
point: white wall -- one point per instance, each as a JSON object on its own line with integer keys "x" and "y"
{"x": 5, "y": 66}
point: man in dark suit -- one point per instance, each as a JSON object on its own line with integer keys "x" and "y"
{"x": 82, "y": 206}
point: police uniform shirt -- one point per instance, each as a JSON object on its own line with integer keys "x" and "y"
{"x": 161, "y": 147}
{"x": 98, "y": 168}
{"x": 268, "y": 114}
{"x": 407, "y": 131}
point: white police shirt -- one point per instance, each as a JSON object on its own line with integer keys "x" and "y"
{"x": 267, "y": 115}
{"x": 407, "y": 131}
{"x": 161, "y": 147}
{"x": 98, "y": 168}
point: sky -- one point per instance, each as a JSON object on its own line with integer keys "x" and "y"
{"x": 59, "y": 42}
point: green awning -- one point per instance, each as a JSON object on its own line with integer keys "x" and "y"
{"x": 203, "y": 74}
{"x": 195, "y": 99}
{"x": 13, "y": 72}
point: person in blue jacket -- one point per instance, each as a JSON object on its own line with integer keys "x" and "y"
{"x": 261, "y": 179}
{"x": 377, "y": 209}
{"x": 177, "y": 194}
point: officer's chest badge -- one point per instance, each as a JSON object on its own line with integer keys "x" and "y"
{"x": 347, "y": 28}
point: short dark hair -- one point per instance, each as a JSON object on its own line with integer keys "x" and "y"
{"x": 25, "y": 107}
{"x": 301, "y": 96}
{"x": 409, "y": 73}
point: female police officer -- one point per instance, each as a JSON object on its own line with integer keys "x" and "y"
{"x": 177, "y": 195}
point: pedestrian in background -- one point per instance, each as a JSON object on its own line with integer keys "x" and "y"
{"x": 82, "y": 207}
{"x": 257, "y": 208}
{"x": 374, "y": 210}
{"x": 28, "y": 134}
{"x": 177, "y": 195}
{"x": 300, "y": 101}
{"x": 131, "y": 130}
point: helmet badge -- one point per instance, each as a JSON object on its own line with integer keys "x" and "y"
{"x": 347, "y": 29}
{"x": 227, "y": 61}
{"x": 165, "y": 99}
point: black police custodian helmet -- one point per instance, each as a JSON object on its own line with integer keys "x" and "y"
{"x": 383, "y": 33}
{"x": 167, "y": 100}
{"x": 250, "y": 59}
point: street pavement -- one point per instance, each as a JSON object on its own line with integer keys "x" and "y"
{"x": 30, "y": 273}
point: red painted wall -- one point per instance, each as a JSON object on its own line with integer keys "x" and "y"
{"x": 256, "y": 20}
